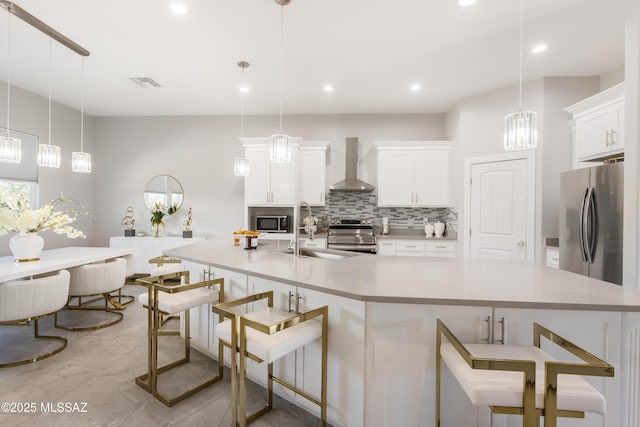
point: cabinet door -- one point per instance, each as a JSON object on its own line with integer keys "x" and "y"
{"x": 345, "y": 359}
{"x": 432, "y": 178}
{"x": 257, "y": 186}
{"x": 320, "y": 243}
{"x": 595, "y": 331}
{"x": 593, "y": 134}
{"x": 312, "y": 177}
{"x": 386, "y": 247}
{"x": 282, "y": 181}
{"x": 395, "y": 178}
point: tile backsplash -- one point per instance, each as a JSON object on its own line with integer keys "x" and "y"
{"x": 365, "y": 205}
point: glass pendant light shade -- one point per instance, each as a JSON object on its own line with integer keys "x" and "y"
{"x": 241, "y": 166}
{"x": 81, "y": 162}
{"x": 520, "y": 131}
{"x": 49, "y": 156}
{"x": 10, "y": 151}
{"x": 280, "y": 149}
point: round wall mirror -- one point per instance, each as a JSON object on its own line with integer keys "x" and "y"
{"x": 163, "y": 189}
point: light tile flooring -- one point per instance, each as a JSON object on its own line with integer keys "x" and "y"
{"x": 99, "y": 367}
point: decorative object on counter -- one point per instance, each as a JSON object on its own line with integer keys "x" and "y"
{"x": 280, "y": 145}
{"x": 385, "y": 225}
{"x": 187, "y": 233}
{"x": 241, "y": 165}
{"x": 129, "y": 221}
{"x": 439, "y": 228}
{"x": 17, "y": 216}
{"x": 158, "y": 212}
{"x": 248, "y": 238}
{"x": 10, "y": 147}
{"x": 429, "y": 229}
{"x": 310, "y": 224}
{"x": 520, "y": 131}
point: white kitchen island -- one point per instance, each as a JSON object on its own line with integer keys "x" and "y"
{"x": 382, "y": 316}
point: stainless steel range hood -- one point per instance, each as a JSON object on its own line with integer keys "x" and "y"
{"x": 351, "y": 183}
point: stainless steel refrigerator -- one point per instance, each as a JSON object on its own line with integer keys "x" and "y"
{"x": 591, "y": 205}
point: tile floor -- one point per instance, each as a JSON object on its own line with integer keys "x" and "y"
{"x": 99, "y": 367}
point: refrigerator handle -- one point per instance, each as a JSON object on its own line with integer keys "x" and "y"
{"x": 582, "y": 225}
{"x": 592, "y": 230}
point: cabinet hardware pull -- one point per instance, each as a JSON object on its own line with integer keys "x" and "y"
{"x": 299, "y": 297}
{"x": 501, "y": 340}
{"x": 613, "y": 140}
{"x": 416, "y": 198}
{"x": 290, "y": 296}
{"x": 410, "y": 246}
{"x": 607, "y": 143}
{"x": 321, "y": 197}
{"x": 441, "y": 247}
{"x": 488, "y": 322}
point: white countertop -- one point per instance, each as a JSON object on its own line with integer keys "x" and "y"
{"x": 396, "y": 279}
{"x": 56, "y": 259}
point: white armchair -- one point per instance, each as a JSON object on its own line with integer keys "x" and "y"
{"x": 25, "y": 300}
{"x": 97, "y": 280}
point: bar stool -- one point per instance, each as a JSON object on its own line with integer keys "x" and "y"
{"x": 266, "y": 336}
{"x": 522, "y": 380}
{"x": 163, "y": 299}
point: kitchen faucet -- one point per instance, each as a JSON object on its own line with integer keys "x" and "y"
{"x": 296, "y": 226}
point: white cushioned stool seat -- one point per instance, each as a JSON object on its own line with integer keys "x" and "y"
{"x": 166, "y": 269}
{"x": 503, "y": 388}
{"x": 98, "y": 278}
{"x": 175, "y": 303}
{"x": 24, "y": 299}
{"x": 272, "y": 347}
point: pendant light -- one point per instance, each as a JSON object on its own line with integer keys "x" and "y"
{"x": 81, "y": 161}
{"x": 280, "y": 143}
{"x": 48, "y": 154}
{"x": 520, "y": 128}
{"x": 10, "y": 150}
{"x": 241, "y": 164}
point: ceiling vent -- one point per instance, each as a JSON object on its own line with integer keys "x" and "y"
{"x": 145, "y": 82}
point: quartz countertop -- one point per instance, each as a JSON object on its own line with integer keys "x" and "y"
{"x": 397, "y": 279}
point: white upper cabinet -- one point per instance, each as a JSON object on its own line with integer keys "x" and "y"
{"x": 414, "y": 174}
{"x": 598, "y": 124}
{"x": 313, "y": 159}
{"x": 268, "y": 183}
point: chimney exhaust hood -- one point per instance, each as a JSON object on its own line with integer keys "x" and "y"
{"x": 351, "y": 183}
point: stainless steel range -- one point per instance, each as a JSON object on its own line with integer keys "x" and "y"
{"x": 352, "y": 235}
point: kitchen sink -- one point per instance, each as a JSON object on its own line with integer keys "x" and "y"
{"x": 324, "y": 253}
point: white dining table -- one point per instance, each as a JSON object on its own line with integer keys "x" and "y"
{"x": 57, "y": 259}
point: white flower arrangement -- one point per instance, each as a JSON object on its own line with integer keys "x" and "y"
{"x": 17, "y": 216}
{"x": 310, "y": 220}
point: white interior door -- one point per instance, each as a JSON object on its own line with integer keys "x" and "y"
{"x": 499, "y": 214}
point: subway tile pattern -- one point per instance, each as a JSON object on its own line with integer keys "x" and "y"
{"x": 365, "y": 205}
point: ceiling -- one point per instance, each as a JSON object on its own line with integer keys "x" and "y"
{"x": 371, "y": 51}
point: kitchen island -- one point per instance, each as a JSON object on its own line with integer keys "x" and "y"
{"x": 382, "y": 315}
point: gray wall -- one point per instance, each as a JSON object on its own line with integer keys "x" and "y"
{"x": 30, "y": 114}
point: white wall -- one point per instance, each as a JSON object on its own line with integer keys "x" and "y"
{"x": 199, "y": 152}
{"x": 476, "y": 124}
{"x": 30, "y": 114}
{"x": 612, "y": 77}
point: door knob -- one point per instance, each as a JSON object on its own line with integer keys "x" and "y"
{"x": 520, "y": 243}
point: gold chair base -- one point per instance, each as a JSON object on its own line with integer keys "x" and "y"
{"x": 120, "y": 301}
{"x": 36, "y": 335}
{"x": 117, "y": 319}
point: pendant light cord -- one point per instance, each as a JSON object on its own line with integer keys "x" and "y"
{"x": 521, "y": 55}
{"x": 242, "y": 108}
{"x": 8, "y": 74}
{"x": 281, "y": 59}
{"x": 82, "y": 109}
{"x": 50, "y": 82}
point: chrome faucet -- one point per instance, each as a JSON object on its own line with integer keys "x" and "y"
{"x": 296, "y": 227}
{"x": 310, "y": 215}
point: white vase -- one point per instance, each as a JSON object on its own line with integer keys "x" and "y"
{"x": 26, "y": 248}
{"x": 310, "y": 228}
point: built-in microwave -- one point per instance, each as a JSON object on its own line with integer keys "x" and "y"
{"x": 272, "y": 223}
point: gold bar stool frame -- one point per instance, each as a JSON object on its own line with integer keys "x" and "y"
{"x": 163, "y": 299}
{"x": 251, "y": 332}
{"x": 535, "y": 402}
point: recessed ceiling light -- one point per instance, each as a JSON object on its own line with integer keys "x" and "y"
{"x": 179, "y": 8}
{"x": 244, "y": 89}
{"x": 465, "y": 3}
{"x": 539, "y": 49}
{"x": 328, "y": 88}
{"x": 415, "y": 87}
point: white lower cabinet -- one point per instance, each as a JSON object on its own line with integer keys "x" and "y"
{"x": 417, "y": 247}
{"x": 552, "y": 256}
{"x": 317, "y": 242}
